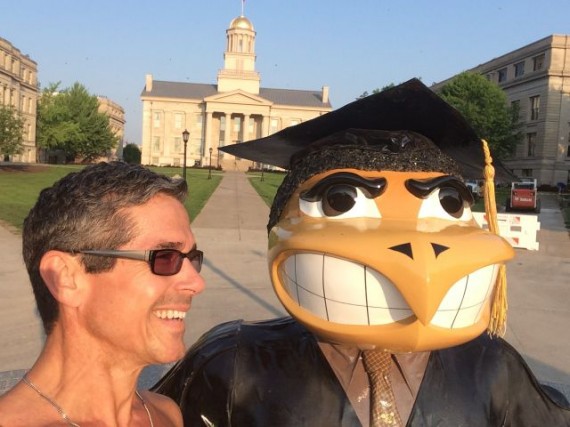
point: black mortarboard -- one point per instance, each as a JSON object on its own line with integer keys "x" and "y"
{"x": 410, "y": 106}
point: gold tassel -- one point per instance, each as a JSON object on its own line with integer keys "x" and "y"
{"x": 498, "y": 322}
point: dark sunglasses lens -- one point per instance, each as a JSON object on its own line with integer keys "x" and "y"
{"x": 196, "y": 257}
{"x": 167, "y": 262}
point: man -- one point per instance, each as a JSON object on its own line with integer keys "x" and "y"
{"x": 396, "y": 295}
{"x": 114, "y": 267}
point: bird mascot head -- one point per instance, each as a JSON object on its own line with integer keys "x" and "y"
{"x": 372, "y": 241}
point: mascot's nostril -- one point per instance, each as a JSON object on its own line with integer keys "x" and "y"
{"x": 437, "y": 249}
{"x": 405, "y": 248}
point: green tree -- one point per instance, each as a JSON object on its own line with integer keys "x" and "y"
{"x": 55, "y": 127}
{"x": 486, "y": 108}
{"x": 132, "y": 153}
{"x": 11, "y": 130}
{"x": 70, "y": 120}
{"x": 374, "y": 91}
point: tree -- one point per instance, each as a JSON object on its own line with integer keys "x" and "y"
{"x": 70, "y": 121}
{"x": 374, "y": 91}
{"x": 11, "y": 130}
{"x": 486, "y": 108}
{"x": 132, "y": 153}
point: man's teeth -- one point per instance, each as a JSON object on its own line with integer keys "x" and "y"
{"x": 170, "y": 314}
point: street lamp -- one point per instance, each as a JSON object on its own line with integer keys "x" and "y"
{"x": 262, "y": 172}
{"x": 210, "y": 169}
{"x": 185, "y": 136}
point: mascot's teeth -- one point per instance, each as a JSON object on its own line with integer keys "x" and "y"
{"x": 170, "y": 314}
{"x": 463, "y": 303}
{"x": 345, "y": 292}
{"x": 342, "y": 291}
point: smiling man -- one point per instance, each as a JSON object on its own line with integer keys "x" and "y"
{"x": 396, "y": 295}
{"x": 114, "y": 267}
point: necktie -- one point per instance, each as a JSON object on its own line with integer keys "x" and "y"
{"x": 383, "y": 411}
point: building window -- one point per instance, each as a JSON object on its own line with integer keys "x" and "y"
{"x": 538, "y": 62}
{"x": 156, "y": 121}
{"x": 519, "y": 69}
{"x": 177, "y": 144}
{"x": 237, "y": 124}
{"x": 527, "y": 173}
{"x": 178, "y": 120}
{"x": 156, "y": 143}
{"x": 273, "y": 126}
{"x": 531, "y": 144}
{"x": 199, "y": 121}
{"x": 568, "y": 151}
{"x": 502, "y": 75}
{"x": 534, "y": 107}
{"x": 294, "y": 122}
{"x": 155, "y": 160}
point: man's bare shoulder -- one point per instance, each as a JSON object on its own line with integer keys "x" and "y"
{"x": 15, "y": 408}
{"x": 165, "y": 408}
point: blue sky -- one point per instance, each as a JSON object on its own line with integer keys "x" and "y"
{"x": 350, "y": 46}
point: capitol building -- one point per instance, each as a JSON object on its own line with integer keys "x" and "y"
{"x": 235, "y": 109}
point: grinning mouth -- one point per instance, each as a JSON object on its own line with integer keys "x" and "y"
{"x": 349, "y": 293}
{"x": 170, "y": 314}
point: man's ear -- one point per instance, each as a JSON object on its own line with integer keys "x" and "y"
{"x": 61, "y": 271}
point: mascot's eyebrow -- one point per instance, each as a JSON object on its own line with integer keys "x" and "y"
{"x": 422, "y": 188}
{"x": 371, "y": 187}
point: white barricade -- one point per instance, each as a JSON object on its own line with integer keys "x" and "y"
{"x": 519, "y": 230}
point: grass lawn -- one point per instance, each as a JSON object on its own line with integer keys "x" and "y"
{"x": 268, "y": 187}
{"x": 20, "y": 186}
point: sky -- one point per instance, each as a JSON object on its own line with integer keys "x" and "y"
{"x": 351, "y": 46}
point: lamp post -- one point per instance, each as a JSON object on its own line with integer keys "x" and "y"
{"x": 185, "y": 136}
{"x": 262, "y": 172}
{"x": 210, "y": 168}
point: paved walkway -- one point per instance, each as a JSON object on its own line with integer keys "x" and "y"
{"x": 231, "y": 231}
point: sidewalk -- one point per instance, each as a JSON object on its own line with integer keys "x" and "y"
{"x": 231, "y": 231}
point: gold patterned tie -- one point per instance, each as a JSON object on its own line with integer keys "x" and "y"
{"x": 383, "y": 411}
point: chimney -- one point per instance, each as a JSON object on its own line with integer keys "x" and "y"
{"x": 148, "y": 85}
{"x": 325, "y": 94}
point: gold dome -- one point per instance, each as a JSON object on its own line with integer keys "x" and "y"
{"x": 241, "y": 22}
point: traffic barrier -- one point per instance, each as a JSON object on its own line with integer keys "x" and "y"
{"x": 519, "y": 230}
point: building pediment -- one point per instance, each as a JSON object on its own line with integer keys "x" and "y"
{"x": 237, "y": 97}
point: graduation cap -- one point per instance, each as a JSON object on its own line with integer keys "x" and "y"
{"x": 410, "y": 106}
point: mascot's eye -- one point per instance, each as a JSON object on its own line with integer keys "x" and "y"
{"x": 340, "y": 201}
{"x": 451, "y": 202}
{"x": 445, "y": 203}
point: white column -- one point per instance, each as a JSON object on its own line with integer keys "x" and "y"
{"x": 228, "y": 132}
{"x": 245, "y": 130}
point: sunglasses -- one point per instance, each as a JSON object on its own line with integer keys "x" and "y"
{"x": 163, "y": 262}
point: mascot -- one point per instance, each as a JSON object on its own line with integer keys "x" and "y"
{"x": 397, "y": 297}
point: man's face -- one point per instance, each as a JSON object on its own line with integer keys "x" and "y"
{"x": 131, "y": 311}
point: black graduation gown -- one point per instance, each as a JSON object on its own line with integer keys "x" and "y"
{"x": 272, "y": 373}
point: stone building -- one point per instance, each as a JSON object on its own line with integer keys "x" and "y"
{"x": 235, "y": 109}
{"x": 19, "y": 88}
{"x": 537, "y": 78}
{"x": 116, "y": 115}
